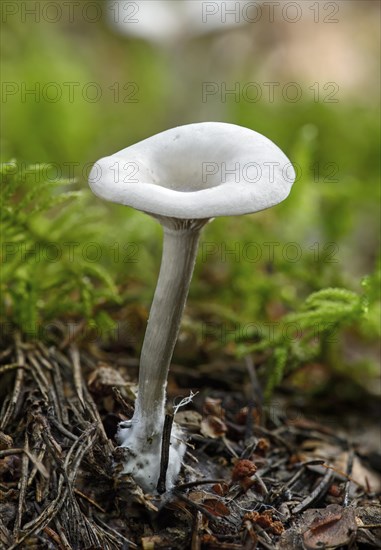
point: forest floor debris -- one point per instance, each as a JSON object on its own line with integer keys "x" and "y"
{"x": 251, "y": 480}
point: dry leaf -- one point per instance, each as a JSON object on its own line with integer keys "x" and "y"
{"x": 216, "y": 507}
{"x": 338, "y": 459}
{"x": 104, "y": 375}
{"x": 213, "y": 427}
{"x": 191, "y": 420}
{"x": 214, "y": 407}
{"x": 329, "y": 527}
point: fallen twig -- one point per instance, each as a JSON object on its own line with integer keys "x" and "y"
{"x": 74, "y": 354}
{"x": 316, "y": 494}
{"x": 23, "y": 486}
{"x": 164, "y": 459}
{"x": 12, "y": 404}
{"x": 351, "y": 456}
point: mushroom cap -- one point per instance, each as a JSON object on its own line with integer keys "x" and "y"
{"x": 196, "y": 171}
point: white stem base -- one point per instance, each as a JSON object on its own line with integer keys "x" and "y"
{"x": 143, "y": 462}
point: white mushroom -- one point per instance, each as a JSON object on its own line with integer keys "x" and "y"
{"x": 166, "y": 21}
{"x": 183, "y": 177}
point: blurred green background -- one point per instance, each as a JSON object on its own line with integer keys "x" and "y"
{"x": 76, "y": 87}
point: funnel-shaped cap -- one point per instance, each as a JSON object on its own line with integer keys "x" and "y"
{"x": 196, "y": 171}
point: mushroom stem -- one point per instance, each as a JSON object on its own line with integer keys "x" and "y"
{"x": 142, "y": 436}
{"x": 179, "y": 255}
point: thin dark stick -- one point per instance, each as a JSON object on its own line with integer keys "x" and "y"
{"x": 196, "y": 540}
{"x": 351, "y": 456}
{"x": 164, "y": 459}
{"x": 316, "y": 494}
{"x": 249, "y": 420}
{"x": 257, "y": 395}
{"x": 15, "y": 397}
{"x": 23, "y": 487}
{"x": 127, "y": 543}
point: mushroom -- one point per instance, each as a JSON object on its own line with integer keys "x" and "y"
{"x": 184, "y": 177}
{"x": 166, "y": 22}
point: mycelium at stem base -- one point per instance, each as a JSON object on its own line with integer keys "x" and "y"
{"x": 143, "y": 437}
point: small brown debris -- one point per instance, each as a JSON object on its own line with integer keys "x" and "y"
{"x": 241, "y": 417}
{"x": 103, "y": 378}
{"x": 10, "y": 468}
{"x": 213, "y": 407}
{"x": 213, "y": 427}
{"x": 277, "y": 527}
{"x": 220, "y": 489}
{"x": 216, "y": 507}
{"x": 149, "y": 543}
{"x": 243, "y": 469}
{"x": 6, "y": 442}
{"x": 334, "y": 490}
{"x": 262, "y": 446}
{"x": 265, "y": 521}
{"x": 208, "y": 539}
